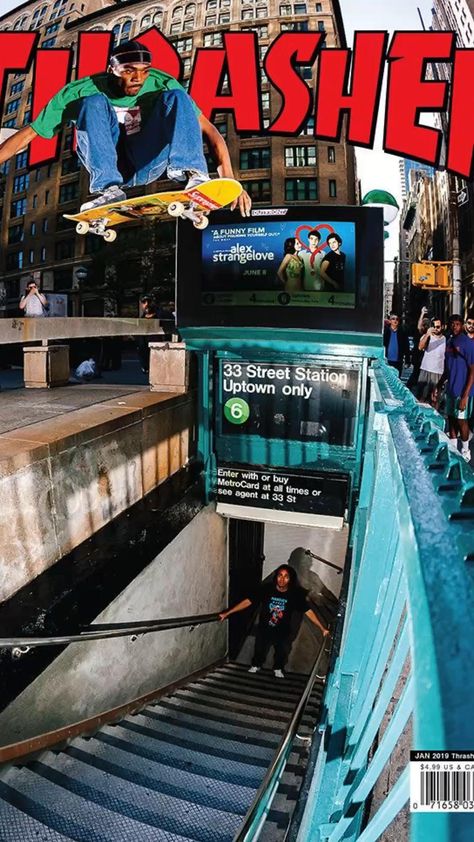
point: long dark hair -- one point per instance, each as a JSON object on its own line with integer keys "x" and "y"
{"x": 289, "y": 245}
{"x": 294, "y": 582}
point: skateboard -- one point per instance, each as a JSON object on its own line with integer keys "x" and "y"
{"x": 191, "y": 204}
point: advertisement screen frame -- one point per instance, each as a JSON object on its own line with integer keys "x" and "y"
{"x": 365, "y": 317}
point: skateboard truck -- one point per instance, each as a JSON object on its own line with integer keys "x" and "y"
{"x": 198, "y": 219}
{"x": 99, "y": 227}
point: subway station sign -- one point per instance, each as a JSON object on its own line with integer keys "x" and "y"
{"x": 304, "y": 402}
{"x": 282, "y": 496}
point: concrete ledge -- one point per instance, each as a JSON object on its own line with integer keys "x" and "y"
{"x": 62, "y": 480}
{"x": 37, "y": 330}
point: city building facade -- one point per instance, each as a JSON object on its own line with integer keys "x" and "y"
{"x": 275, "y": 170}
{"x": 437, "y": 217}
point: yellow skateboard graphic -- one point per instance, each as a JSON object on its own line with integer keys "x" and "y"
{"x": 188, "y": 204}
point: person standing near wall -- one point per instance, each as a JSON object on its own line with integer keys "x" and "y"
{"x": 283, "y": 602}
{"x": 33, "y": 303}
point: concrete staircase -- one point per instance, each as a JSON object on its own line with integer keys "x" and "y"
{"x": 185, "y": 768}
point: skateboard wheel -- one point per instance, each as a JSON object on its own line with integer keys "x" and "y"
{"x": 176, "y": 209}
{"x": 110, "y": 235}
{"x": 82, "y": 227}
{"x": 201, "y": 224}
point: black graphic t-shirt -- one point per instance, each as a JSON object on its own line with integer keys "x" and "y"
{"x": 337, "y": 263}
{"x": 279, "y": 608}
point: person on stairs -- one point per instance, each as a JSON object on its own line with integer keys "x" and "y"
{"x": 283, "y": 602}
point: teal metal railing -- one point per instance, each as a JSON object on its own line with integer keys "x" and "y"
{"x": 404, "y": 678}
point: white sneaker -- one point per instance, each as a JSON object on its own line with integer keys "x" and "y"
{"x": 278, "y": 673}
{"x": 466, "y": 454}
{"x": 195, "y": 178}
{"x": 254, "y": 669}
{"x": 111, "y": 194}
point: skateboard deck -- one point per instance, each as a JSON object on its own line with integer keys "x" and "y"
{"x": 191, "y": 204}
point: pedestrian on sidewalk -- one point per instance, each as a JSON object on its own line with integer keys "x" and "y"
{"x": 459, "y": 374}
{"x": 283, "y": 602}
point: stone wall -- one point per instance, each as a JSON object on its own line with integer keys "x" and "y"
{"x": 188, "y": 577}
{"x": 63, "y": 479}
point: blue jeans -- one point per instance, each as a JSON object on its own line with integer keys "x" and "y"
{"x": 170, "y": 141}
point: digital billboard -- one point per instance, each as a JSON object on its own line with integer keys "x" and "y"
{"x": 310, "y": 263}
{"x": 314, "y": 267}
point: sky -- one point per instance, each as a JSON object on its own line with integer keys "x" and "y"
{"x": 374, "y": 167}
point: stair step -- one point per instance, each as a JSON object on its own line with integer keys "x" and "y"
{"x": 220, "y": 691}
{"x": 73, "y": 816}
{"x": 265, "y": 677}
{"x": 254, "y": 686}
{"x": 206, "y": 746}
{"x": 239, "y": 702}
{"x": 161, "y": 777}
{"x": 175, "y": 815}
{"x": 210, "y": 726}
{"x": 192, "y": 761}
{"x": 192, "y": 738}
{"x": 224, "y": 714}
{"x": 297, "y": 678}
{"x": 17, "y": 826}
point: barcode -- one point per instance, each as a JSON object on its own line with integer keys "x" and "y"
{"x": 445, "y": 786}
{"x": 444, "y": 790}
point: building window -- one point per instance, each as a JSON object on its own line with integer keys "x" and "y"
{"x": 319, "y": 7}
{"x": 300, "y": 156}
{"x": 184, "y": 45}
{"x": 69, "y": 165}
{"x": 331, "y": 155}
{"x": 18, "y": 208}
{"x": 222, "y": 129}
{"x": 9, "y": 124}
{"x": 187, "y": 64}
{"x": 175, "y": 28}
{"x": 300, "y": 8}
{"x": 210, "y": 5}
{"x": 14, "y": 260}
{"x": 190, "y": 9}
{"x": 46, "y": 197}
{"x": 295, "y": 26}
{"x": 158, "y": 19}
{"x": 43, "y": 254}
{"x": 145, "y": 21}
{"x": 17, "y": 87}
{"x": 188, "y": 25}
{"x": 321, "y": 26}
{"x": 44, "y": 226}
{"x": 262, "y": 12}
{"x": 332, "y": 188}
{"x": 20, "y": 183}
{"x": 177, "y": 12}
{"x": 285, "y": 11}
{"x": 31, "y": 256}
{"x": 247, "y": 14}
{"x": 64, "y": 249}
{"x": 53, "y": 27}
{"x": 21, "y": 160}
{"x": 265, "y": 98}
{"x": 259, "y": 191}
{"x": 49, "y": 43}
{"x": 27, "y": 116}
{"x": 12, "y": 106}
{"x": 301, "y": 189}
{"x": 305, "y": 73}
{"x": 33, "y": 229}
{"x": 224, "y": 18}
{"x": 213, "y": 39}
{"x": 15, "y": 234}
{"x": 68, "y": 192}
{"x": 255, "y": 159}
{"x": 211, "y": 20}
{"x": 29, "y": 98}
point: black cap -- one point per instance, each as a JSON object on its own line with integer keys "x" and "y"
{"x": 130, "y": 52}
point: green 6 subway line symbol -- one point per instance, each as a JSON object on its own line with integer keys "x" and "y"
{"x": 236, "y": 410}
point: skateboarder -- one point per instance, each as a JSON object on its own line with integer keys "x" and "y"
{"x": 134, "y": 124}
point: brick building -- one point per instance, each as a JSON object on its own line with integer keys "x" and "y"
{"x": 275, "y": 170}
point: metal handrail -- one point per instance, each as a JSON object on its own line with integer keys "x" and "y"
{"x": 257, "y": 813}
{"x": 100, "y": 632}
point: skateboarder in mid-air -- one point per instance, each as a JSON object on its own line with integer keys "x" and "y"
{"x": 134, "y": 124}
